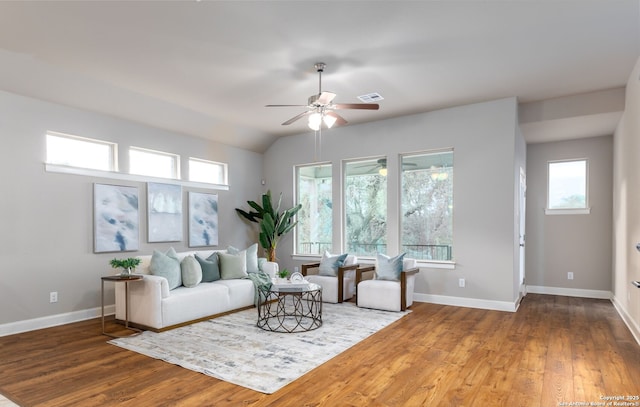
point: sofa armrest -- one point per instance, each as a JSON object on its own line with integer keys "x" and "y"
{"x": 145, "y": 300}
{"x": 270, "y": 268}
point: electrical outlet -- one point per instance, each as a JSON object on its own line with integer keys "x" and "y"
{"x": 570, "y": 275}
{"x": 461, "y": 282}
{"x": 295, "y": 269}
{"x": 53, "y": 297}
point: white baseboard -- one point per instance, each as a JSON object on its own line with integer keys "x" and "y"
{"x": 467, "y": 302}
{"x": 569, "y": 292}
{"x": 633, "y": 327}
{"x": 54, "y": 320}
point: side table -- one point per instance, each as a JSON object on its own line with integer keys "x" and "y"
{"x": 126, "y": 281}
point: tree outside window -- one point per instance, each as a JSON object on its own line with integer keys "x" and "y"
{"x": 314, "y": 192}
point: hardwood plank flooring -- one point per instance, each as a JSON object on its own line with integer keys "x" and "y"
{"x": 554, "y": 349}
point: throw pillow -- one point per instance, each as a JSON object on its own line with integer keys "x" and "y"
{"x": 329, "y": 263}
{"x": 167, "y": 265}
{"x": 389, "y": 268}
{"x": 191, "y": 272}
{"x": 233, "y": 266}
{"x": 251, "y": 253}
{"x": 210, "y": 268}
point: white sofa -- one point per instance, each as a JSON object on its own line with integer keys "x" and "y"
{"x": 153, "y": 306}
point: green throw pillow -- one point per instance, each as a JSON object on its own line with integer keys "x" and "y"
{"x": 210, "y": 268}
{"x": 389, "y": 268}
{"x": 167, "y": 265}
{"x": 329, "y": 263}
{"x": 233, "y": 266}
{"x": 191, "y": 272}
{"x": 251, "y": 253}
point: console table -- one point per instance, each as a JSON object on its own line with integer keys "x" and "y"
{"x": 126, "y": 280}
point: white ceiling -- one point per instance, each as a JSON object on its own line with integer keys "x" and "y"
{"x": 207, "y": 68}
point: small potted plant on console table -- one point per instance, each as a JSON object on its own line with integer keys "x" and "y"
{"x": 127, "y": 265}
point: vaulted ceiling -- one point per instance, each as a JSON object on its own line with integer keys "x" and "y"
{"x": 208, "y": 68}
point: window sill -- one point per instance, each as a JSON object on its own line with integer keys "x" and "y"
{"x": 64, "y": 169}
{"x": 584, "y": 211}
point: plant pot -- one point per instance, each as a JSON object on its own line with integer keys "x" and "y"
{"x": 126, "y": 272}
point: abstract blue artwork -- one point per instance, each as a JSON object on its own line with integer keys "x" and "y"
{"x": 203, "y": 219}
{"x": 116, "y": 218}
{"x": 164, "y": 212}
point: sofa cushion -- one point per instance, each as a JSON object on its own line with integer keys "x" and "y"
{"x": 329, "y": 263}
{"x": 210, "y": 268}
{"x": 167, "y": 265}
{"x": 191, "y": 271}
{"x": 233, "y": 265}
{"x": 389, "y": 268}
{"x": 251, "y": 253}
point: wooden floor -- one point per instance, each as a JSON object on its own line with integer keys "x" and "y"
{"x": 554, "y": 349}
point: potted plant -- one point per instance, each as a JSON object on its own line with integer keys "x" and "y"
{"x": 283, "y": 273}
{"x": 127, "y": 265}
{"x": 273, "y": 222}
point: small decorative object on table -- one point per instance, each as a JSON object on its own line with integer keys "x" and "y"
{"x": 127, "y": 265}
{"x": 283, "y": 273}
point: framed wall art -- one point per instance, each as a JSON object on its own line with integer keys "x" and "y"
{"x": 203, "y": 219}
{"x": 116, "y": 218}
{"x": 164, "y": 212}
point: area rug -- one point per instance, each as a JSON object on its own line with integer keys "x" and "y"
{"x": 232, "y": 348}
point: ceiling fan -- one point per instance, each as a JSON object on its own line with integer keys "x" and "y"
{"x": 320, "y": 107}
{"x": 381, "y": 166}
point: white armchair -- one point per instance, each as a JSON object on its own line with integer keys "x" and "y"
{"x": 387, "y": 295}
{"x": 338, "y": 288}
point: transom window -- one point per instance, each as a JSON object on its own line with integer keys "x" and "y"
{"x": 427, "y": 205}
{"x": 153, "y": 163}
{"x": 210, "y": 172}
{"x": 73, "y": 151}
{"x": 314, "y": 193}
{"x": 567, "y": 186}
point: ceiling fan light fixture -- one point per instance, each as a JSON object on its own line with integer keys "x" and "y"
{"x": 329, "y": 121}
{"x": 315, "y": 120}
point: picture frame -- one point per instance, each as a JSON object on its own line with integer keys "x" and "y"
{"x": 203, "y": 219}
{"x": 164, "y": 212}
{"x": 116, "y": 218}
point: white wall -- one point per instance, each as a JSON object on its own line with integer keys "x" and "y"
{"x": 46, "y": 242}
{"x": 484, "y": 138}
{"x": 626, "y": 207}
{"x": 558, "y": 244}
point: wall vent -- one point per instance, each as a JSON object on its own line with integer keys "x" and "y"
{"x": 371, "y": 97}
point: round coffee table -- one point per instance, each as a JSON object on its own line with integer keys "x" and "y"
{"x": 290, "y": 310}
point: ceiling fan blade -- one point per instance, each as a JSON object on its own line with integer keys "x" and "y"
{"x": 297, "y": 117}
{"x": 325, "y": 98}
{"x": 285, "y": 105}
{"x": 340, "y": 121}
{"x": 367, "y": 106}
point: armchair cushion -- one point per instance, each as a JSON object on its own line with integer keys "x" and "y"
{"x": 167, "y": 265}
{"x": 389, "y": 268}
{"x": 329, "y": 264}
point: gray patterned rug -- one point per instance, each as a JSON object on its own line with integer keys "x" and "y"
{"x": 232, "y": 348}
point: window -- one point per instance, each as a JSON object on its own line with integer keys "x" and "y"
{"x": 365, "y": 205}
{"x": 567, "y": 186}
{"x": 314, "y": 192}
{"x": 63, "y": 149}
{"x": 427, "y": 206}
{"x": 153, "y": 163}
{"x": 210, "y": 172}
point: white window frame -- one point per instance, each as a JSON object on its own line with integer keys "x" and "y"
{"x": 568, "y": 211}
{"x": 223, "y": 167}
{"x": 112, "y": 163}
{"x": 297, "y": 169}
{"x": 175, "y": 170}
